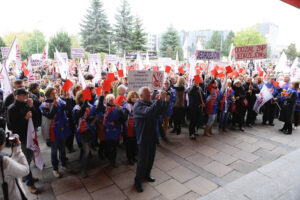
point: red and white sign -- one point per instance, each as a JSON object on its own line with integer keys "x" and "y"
{"x": 251, "y": 52}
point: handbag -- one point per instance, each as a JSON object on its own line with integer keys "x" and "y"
{"x": 233, "y": 108}
{"x": 245, "y": 103}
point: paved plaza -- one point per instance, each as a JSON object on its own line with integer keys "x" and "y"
{"x": 260, "y": 163}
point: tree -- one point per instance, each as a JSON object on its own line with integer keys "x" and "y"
{"x": 62, "y": 42}
{"x": 250, "y": 36}
{"x": 139, "y": 39}
{"x": 227, "y": 43}
{"x": 215, "y": 41}
{"x": 75, "y": 41}
{"x": 22, "y": 37}
{"x": 123, "y": 28}
{"x": 95, "y": 29}
{"x": 291, "y": 52}
{"x": 34, "y": 44}
{"x": 170, "y": 43}
{"x": 2, "y": 44}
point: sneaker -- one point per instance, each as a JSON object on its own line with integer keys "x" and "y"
{"x": 66, "y": 169}
{"x": 33, "y": 189}
{"x": 57, "y": 174}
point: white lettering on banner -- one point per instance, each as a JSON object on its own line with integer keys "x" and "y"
{"x": 251, "y": 52}
{"x": 77, "y": 53}
{"x": 208, "y": 55}
{"x": 141, "y": 78}
{"x": 4, "y": 52}
{"x": 111, "y": 59}
{"x": 94, "y": 58}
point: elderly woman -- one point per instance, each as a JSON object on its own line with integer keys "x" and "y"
{"x": 241, "y": 103}
{"x": 178, "y": 109}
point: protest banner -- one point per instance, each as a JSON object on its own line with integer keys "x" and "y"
{"x": 208, "y": 55}
{"x": 250, "y": 52}
{"x": 35, "y": 62}
{"x": 64, "y": 56}
{"x": 132, "y": 55}
{"x": 4, "y": 52}
{"x": 94, "y": 58}
{"x": 141, "y": 78}
{"x": 111, "y": 58}
{"x": 77, "y": 53}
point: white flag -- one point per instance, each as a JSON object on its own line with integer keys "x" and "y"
{"x": 5, "y": 82}
{"x": 139, "y": 62}
{"x": 14, "y": 54}
{"x": 62, "y": 65}
{"x": 264, "y": 96}
{"x": 81, "y": 79}
{"x": 33, "y": 144}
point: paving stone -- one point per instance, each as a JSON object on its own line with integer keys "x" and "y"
{"x": 108, "y": 193}
{"x": 243, "y": 166}
{"x": 217, "y": 169}
{"x": 243, "y": 155}
{"x": 227, "y": 148}
{"x": 96, "y": 182}
{"x": 247, "y": 147}
{"x": 292, "y": 194}
{"x": 149, "y": 193}
{"x": 199, "y": 160}
{"x": 284, "y": 139}
{"x": 189, "y": 196}
{"x": 184, "y": 151}
{"x": 232, "y": 176}
{"x": 172, "y": 189}
{"x": 112, "y": 171}
{"x": 201, "y": 185}
{"x": 219, "y": 181}
{"x": 159, "y": 176}
{"x": 81, "y": 194}
{"x": 124, "y": 180}
{"x": 268, "y": 155}
{"x": 206, "y": 150}
{"x": 182, "y": 174}
{"x": 223, "y": 158}
{"x": 65, "y": 184}
{"x": 265, "y": 145}
{"x": 280, "y": 151}
{"x": 222, "y": 194}
{"x": 159, "y": 155}
{"x": 166, "y": 164}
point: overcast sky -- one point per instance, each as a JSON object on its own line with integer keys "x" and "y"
{"x": 49, "y": 16}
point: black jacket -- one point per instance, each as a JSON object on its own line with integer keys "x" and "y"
{"x": 16, "y": 119}
{"x": 251, "y": 98}
{"x": 194, "y": 97}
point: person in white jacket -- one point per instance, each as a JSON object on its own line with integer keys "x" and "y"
{"x": 14, "y": 168}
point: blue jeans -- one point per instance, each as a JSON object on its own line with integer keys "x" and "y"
{"x": 29, "y": 156}
{"x": 223, "y": 120}
{"x": 58, "y": 146}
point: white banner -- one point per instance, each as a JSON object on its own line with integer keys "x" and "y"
{"x": 141, "y": 78}
{"x": 264, "y": 96}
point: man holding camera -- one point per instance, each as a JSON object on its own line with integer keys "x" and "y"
{"x": 12, "y": 168}
{"x": 18, "y": 115}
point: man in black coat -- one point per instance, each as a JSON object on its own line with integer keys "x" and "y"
{"x": 145, "y": 115}
{"x": 251, "y": 89}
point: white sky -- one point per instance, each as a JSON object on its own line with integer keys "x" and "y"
{"x": 49, "y": 16}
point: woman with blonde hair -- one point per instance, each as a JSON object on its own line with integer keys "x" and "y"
{"x": 178, "y": 109}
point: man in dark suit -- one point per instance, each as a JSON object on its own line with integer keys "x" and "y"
{"x": 145, "y": 115}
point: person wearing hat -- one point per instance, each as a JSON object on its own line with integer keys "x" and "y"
{"x": 18, "y": 115}
{"x": 240, "y": 97}
{"x": 269, "y": 107}
{"x": 289, "y": 99}
{"x": 14, "y": 168}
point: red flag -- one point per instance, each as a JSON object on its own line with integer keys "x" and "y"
{"x": 229, "y": 69}
{"x": 98, "y": 91}
{"x": 214, "y": 72}
{"x": 67, "y": 85}
{"x": 87, "y": 94}
{"x": 106, "y": 85}
{"x": 261, "y": 73}
{"x": 295, "y": 3}
{"x": 241, "y": 70}
{"x": 110, "y": 77}
{"x": 26, "y": 72}
{"x": 155, "y": 68}
{"x": 167, "y": 69}
{"x": 120, "y": 73}
{"x": 221, "y": 75}
{"x": 197, "y": 79}
{"x": 180, "y": 70}
{"x": 276, "y": 84}
{"x": 198, "y": 71}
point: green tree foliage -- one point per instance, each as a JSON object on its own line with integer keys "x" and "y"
{"x": 62, "y": 42}
{"x": 215, "y": 41}
{"x": 291, "y": 52}
{"x": 139, "y": 39}
{"x": 95, "y": 29}
{"x": 34, "y": 44}
{"x": 2, "y": 44}
{"x": 250, "y": 36}
{"x": 170, "y": 43}
{"x": 123, "y": 28}
{"x": 227, "y": 43}
{"x": 75, "y": 41}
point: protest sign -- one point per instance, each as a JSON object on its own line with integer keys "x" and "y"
{"x": 208, "y": 55}
{"x": 250, "y": 52}
{"x": 4, "y": 52}
{"x": 141, "y": 78}
{"x": 64, "y": 56}
{"x": 77, "y": 53}
{"x": 111, "y": 58}
{"x": 35, "y": 62}
{"x": 94, "y": 58}
{"x": 132, "y": 55}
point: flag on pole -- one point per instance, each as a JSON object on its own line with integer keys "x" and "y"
{"x": 45, "y": 52}
{"x": 81, "y": 79}
{"x": 231, "y": 53}
{"x": 5, "y": 82}
{"x": 139, "y": 62}
{"x": 264, "y": 96}
{"x": 185, "y": 48}
{"x": 33, "y": 144}
{"x": 62, "y": 65}
{"x": 14, "y": 54}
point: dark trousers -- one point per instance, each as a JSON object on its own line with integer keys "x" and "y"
{"x": 131, "y": 147}
{"x": 251, "y": 115}
{"x": 269, "y": 112}
{"x": 29, "y": 156}
{"x": 111, "y": 149}
{"x": 238, "y": 117}
{"x": 194, "y": 114}
{"x": 178, "y": 117}
{"x": 288, "y": 126}
{"x": 70, "y": 138}
{"x": 296, "y": 118}
{"x": 58, "y": 146}
{"x": 146, "y": 157}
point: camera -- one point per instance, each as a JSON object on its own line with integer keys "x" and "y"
{"x": 11, "y": 139}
